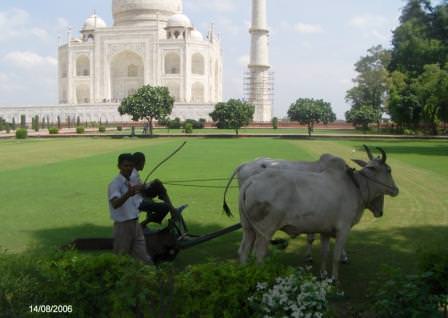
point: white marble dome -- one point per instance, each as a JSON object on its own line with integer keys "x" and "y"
{"x": 138, "y": 12}
{"x": 94, "y": 22}
{"x": 196, "y": 35}
{"x": 179, "y": 20}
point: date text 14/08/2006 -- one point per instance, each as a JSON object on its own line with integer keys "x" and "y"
{"x": 51, "y": 308}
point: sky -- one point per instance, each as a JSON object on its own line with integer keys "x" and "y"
{"x": 313, "y": 44}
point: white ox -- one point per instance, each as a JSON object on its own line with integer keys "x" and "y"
{"x": 329, "y": 202}
{"x": 246, "y": 170}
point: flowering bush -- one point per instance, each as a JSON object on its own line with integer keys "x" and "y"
{"x": 298, "y": 295}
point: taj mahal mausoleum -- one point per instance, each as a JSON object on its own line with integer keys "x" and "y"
{"x": 150, "y": 42}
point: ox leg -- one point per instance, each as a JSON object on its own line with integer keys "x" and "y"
{"x": 247, "y": 244}
{"x": 309, "y": 248}
{"x": 344, "y": 256}
{"x": 261, "y": 247}
{"x": 341, "y": 238}
{"x": 325, "y": 248}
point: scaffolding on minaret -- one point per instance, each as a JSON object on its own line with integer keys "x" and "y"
{"x": 258, "y": 89}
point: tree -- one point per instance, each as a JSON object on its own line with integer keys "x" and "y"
{"x": 414, "y": 41}
{"x": 402, "y": 104}
{"x": 233, "y": 114}
{"x": 362, "y": 116}
{"x": 416, "y": 86}
{"x": 371, "y": 83}
{"x": 150, "y": 103}
{"x": 440, "y": 24}
{"x": 22, "y": 121}
{"x": 310, "y": 112}
{"x": 36, "y": 123}
{"x": 431, "y": 91}
{"x": 418, "y": 10}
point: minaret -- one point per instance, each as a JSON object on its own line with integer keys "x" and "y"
{"x": 259, "y": 79}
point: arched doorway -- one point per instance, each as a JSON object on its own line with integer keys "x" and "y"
{"x": 127, "y": 75}
{"x": 172, "y": 63}
{"x": 197, "y": 93}
{"x": 82, "y": 94}
{"x": 82, "y": 66}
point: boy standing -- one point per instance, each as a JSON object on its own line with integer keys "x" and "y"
{"x": 124, "y": 208}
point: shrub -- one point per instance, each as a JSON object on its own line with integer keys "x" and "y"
{"x": 95, "y": 286}
{"x": 222, "y": 289}
{"x": 194, "y": 123}
{"x": 80, "y": 130}
{"x": 174, "y": 124}
{"x": 108, "y": 285}
{"x": 163, "y": 121}
{"x": 394, "y": 294}
{"x": 102, "y": 129}
{"x": 436, "y": 263}
{"x": 188, "y": 127}
{"x": 21, "y": 133}
{"x": 409, "y": 132}
{"x": 275, "y": 123}
{"x": 8, "y": 128}
{"x": 119, "y": 128}
{"x": 53, "y": 130}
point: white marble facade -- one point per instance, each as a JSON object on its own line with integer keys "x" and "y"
{"x": 151, "y": 42}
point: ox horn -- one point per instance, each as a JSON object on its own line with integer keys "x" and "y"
{"x": 369, "y": 153}
{"x": 383, "y": 154}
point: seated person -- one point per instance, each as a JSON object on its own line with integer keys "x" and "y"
{"x": 156, "y": 211}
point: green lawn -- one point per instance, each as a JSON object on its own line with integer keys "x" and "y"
{"x": 55, "y": 190}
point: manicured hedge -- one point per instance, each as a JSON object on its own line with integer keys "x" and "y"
{"x": 80, "y": 130}
{"x": 21, "y": 133}
{"x": 53, "y": 130}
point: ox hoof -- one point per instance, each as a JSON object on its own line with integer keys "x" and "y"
{"x": 323, "y": 274}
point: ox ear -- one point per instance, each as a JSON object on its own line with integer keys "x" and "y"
{"x": 360, "y": 162}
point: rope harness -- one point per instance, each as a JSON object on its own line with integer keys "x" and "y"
{"x": 186, "y": 183}
{"x": 376, "y": 181}
{"x": 351, "y": 174}
{"x": 164, "y": 160}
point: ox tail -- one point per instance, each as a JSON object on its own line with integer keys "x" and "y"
{"x": 225, "y": 206}
{"x": 244, "y": 210}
